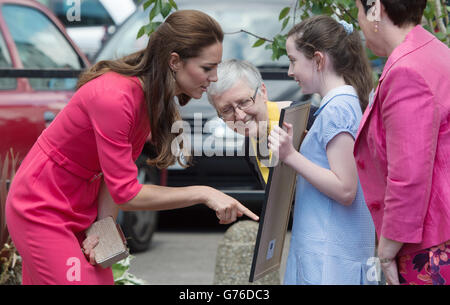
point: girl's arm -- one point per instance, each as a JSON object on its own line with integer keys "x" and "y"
{"x": 340, "y": 182}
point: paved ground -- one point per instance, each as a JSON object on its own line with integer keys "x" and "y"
{"x": 183, "y": 257}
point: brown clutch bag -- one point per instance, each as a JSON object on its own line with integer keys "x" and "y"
{"x": 112, "y": 245}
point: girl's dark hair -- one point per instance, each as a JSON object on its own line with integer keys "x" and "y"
{"x": 401, "y": 12}
{"x": 324, "y": 34}
{"x": 186, "y": 32}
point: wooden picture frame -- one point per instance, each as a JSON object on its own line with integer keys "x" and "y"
{"x": 279, "y": 194}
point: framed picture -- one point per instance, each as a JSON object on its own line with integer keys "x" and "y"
{"x": 279, "y": 194}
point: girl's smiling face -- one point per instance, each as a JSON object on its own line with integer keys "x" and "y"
{"x": 302, "y": 69}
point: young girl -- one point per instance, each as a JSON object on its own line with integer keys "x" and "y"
{"x": 333, "y": 234}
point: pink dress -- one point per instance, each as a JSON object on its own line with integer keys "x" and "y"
{"x": 53, "y": 197}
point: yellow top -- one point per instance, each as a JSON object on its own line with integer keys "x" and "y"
{"x": 274, "y": 116}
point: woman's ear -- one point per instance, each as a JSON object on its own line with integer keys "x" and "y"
{"x": 263, "y": 90}
{"x": 175, "y": 62}
{"x": 318, "y": 60}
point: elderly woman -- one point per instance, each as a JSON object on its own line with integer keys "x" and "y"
{"x": 403, "y": 144}
{"x": 240, "y": 98}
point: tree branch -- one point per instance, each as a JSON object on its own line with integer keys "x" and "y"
{"x": 347, "y": 12}
{"x": 439, "y": 20}
{"x": 249, "y": 33}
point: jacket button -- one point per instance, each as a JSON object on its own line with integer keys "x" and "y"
{"x": 360, "y": 164}
{"x": 375, "y": 206}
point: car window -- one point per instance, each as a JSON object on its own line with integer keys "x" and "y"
{"x": 124, "y": 41}
{"x": 41, "y": 46}
{"x": 7, "y": 83}
{"x": 261, "y": 19}
{"x": 92, "y": 13}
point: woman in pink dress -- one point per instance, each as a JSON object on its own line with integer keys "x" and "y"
{"x": 403, "y": 144}
{"x": 86, "y": 158}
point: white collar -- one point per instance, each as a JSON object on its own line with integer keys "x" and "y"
{"x": 346, "y": 89}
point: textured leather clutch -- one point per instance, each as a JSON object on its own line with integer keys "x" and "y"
{"x": 112, "y": 246}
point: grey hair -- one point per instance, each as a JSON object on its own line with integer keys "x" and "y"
{"x": 231, "y": 71}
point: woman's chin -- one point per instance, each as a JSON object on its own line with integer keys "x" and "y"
{"x": 197, "y": 96}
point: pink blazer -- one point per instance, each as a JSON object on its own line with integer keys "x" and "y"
{"x": 402, "y": 149}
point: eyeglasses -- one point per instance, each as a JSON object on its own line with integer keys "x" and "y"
{"x": 229, "y": 111}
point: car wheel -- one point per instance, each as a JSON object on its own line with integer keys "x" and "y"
{"x": 139, "y": 226}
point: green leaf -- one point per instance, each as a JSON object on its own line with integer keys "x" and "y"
{"x": 259, "y": 42}
{"x": 154, "y": 26}
{"x": 285, "y": 23}
{"x": 148, "y": 3}
{"x": 165, "y": 11}
{"x": 427, "y": 27}
{"x": 141, "y": 32}
{"x": 156, "y": 10}
{"x": 174, "y": 5}
{"x": 441, "y": 36}
{"x": 316, "y": 9}
{"x": 119, "y": 270}
{"x": 275, "y": 53}
{"x": 284, "y": 12}
{"x": 429, "y": 10}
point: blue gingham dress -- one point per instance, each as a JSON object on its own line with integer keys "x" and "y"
{"x": 331, "y": 243}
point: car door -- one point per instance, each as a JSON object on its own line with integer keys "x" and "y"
{"x": 31, "y": 40}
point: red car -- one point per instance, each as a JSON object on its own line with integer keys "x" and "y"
{"x": 31, "y": 37}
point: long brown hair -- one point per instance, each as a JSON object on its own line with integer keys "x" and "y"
{"x": 324, "y": 34}
{"x": 186, "y": 32}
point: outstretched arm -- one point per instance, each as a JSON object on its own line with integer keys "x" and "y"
{"x": 155, "y": 197}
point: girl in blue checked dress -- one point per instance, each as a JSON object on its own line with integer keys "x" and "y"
{"x": 333, "y": 235}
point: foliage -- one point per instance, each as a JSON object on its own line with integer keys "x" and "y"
{"x": 160, "y": 8}
{"x": 10, "y": 261}
{"x": 121, "y": 274}
{"x": 436, "y": 19}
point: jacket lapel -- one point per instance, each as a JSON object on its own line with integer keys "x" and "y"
{"x": 367, "y": 112}
{"x": 415, "y": 39}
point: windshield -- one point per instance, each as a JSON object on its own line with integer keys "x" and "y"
{"x": 256, "y": 17}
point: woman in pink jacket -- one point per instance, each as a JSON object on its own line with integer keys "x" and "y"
{"x": 82, "y": 167}
{"x": 402, "y": 149}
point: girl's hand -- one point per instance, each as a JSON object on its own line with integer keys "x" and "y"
{"x": 280, "y": 141}
{"x": 227, "y": 208}
{"x": 88, "y": 248}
